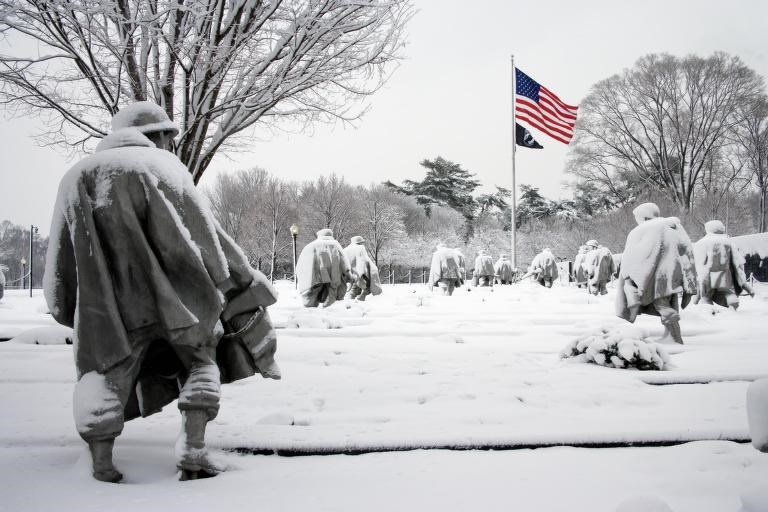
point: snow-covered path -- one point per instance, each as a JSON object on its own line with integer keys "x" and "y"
{"x": 408, "y": 369}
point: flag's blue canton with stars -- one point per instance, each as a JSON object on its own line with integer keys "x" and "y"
{"x": 542, "y": 109}
{"x": 527, "y": 86}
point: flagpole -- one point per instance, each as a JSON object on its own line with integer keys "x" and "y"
{"x": 514, "y": 187}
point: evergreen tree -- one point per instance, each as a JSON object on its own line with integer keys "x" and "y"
{"x": 445, "y": 184}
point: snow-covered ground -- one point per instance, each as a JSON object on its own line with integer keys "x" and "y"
{"x": 411, "y": 370}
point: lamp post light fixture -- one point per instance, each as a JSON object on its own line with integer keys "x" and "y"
{"x": 294, "y": 234}
{"x": 23, "y": 270}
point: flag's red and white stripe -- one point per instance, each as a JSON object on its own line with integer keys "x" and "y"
{"x": 550, "y": 115}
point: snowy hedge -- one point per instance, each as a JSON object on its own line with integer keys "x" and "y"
{"x": 618, "y": 348}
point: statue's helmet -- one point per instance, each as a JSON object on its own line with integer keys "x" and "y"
{"x": 357, "y": 240}
{"x": 646, "y": 211}
{"x": 593, "y": 244}
{"x": 714, "y": 227}
{"x": 325, "y": 233}
{"x": 145, "y": 116}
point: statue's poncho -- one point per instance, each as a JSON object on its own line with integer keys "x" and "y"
{"x": 657, "y": 262}
{"x": 504, "y": 270}
{"x": 599, "y": 265}
{"x": 134, "y": 255}
{"x": 719, "y": 266}
{"x": 579, "y": 271}
{"x": 445, "y": 265}
{"x": 322, "y": 263}
{"x": 363, "y": 267}
{"x": 545, "y": 265}
{"x": 484, "y": 266}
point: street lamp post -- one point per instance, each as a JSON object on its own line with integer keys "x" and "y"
{"x": 32, "y": 231}
{"x": 294, "y": 234}
{"x": 23, "y": 271}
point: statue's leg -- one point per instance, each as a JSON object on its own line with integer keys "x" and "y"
{"x": 731, "y": 299}
{"x": 354, "y": 291}
{"x": 670, "y": 319}
{"x": 199, "y": 404}
{"x": 98, "y": 402}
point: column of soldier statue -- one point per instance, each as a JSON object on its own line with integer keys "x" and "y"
{"x": 326, "y": 273}
{"x": 163, "y": 303}
{"x": 593, "y": 267}
{"x": 661, "y": 271}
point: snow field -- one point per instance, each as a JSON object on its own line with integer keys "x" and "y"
{"x": 409, "y": 369}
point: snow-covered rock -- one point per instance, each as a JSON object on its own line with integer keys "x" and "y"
{"x": 757, "y": 413}
{"x": 618, "y": 347}
{"x": 53, "y": 335}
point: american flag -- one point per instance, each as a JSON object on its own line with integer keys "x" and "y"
{"x": 542, "y": 109}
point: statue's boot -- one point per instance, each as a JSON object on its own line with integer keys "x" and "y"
{"x": 101, "y": 455}
{"x": 672, "y": 333}
{"x": 191, "y": 453}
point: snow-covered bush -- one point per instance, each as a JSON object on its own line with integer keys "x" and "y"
{"x": 618, "y": 348}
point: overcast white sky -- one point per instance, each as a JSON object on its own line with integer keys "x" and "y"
{"x": 451, "y": 95}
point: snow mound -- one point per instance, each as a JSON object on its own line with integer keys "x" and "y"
{"x": 644, "y": 504}
{"x": 757, "y": 414}
{"x": 618, "y": 347}
{"x": 54, "y": 335}
{"x": 312, "y": 321}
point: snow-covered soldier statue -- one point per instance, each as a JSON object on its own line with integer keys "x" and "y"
{"x": 579, "y": 271}
{"x": 445, "y": 271}
{"x": 656, "y": 267}
{"x": 323, "y": 271}
{"x": 484, "y": 271}
{"x": 503, "y": 270}
{"x": 599, "y": 266}
{"x": 544, "y": 267}
{"x": 616, "y": 265}
{"x": 138, "y": 267}
{"x": 462, "y": 265}
{"x": 368, "y": 282}
{"x": 720, "y": 268}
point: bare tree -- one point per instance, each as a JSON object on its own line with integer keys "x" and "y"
{"x": 382, "y": 217}
{"x": 330, "y": 202}
{"x": 218, "y": 67}
{"x": 752, "y": 137}
{"x": 278, "y": 206}
{"x": 234, "y": 202}
{"x": 662, "y": 120}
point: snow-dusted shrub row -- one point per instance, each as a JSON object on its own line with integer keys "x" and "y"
{"x": 617, "y": 348}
